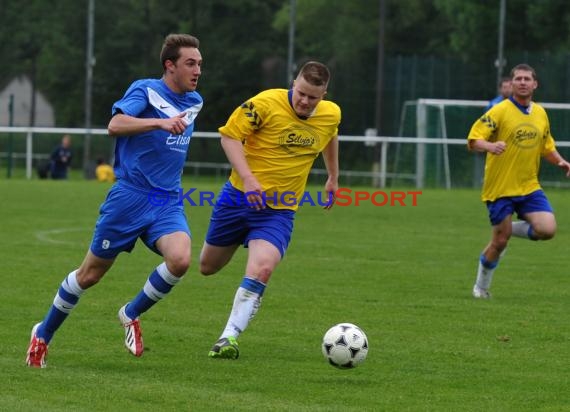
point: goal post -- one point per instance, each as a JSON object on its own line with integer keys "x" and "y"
{"x": 431, "y": 122}
{"x": 451, "y": 120}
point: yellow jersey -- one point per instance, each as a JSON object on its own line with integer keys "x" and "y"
{"x": 104, "y": 173}
{"x": 279, "y": 146}
{"x": 526, "y": 132}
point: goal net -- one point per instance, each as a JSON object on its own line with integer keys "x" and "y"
{"x": 447, "y": 162}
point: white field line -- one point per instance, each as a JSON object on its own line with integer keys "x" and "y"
{"x": 47, "y": 235}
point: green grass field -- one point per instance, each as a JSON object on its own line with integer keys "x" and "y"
{"x": 403, "y": 274}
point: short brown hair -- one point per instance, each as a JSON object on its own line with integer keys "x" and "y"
{"x": 315, "y": 73}
{"x": 524, "y": 67}
{"x": 173, "y": 43}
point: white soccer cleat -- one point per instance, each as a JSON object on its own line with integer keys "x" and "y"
{"x": 133, "y": 333}
{"x": 479, "y": 293}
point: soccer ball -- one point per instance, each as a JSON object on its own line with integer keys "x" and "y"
{"x": 345, "y": 346}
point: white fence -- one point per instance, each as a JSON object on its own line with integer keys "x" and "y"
{"x": 419, "y": 163}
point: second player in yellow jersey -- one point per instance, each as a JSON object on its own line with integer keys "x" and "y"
{"x": 526, "y": 133}
{"x": 515, "y": 134}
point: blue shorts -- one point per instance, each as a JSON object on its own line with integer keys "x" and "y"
{"x": 127, "y": 214}
{"x": 233, "y": 222}
{"x": 506, "y": 206}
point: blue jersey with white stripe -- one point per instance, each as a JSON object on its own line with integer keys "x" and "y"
{"x": 154, "y": 159}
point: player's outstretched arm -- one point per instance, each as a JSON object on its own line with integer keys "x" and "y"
{"x": 330, "y": 157}
{"x": 481, "y": 145}
{"x": 556, "y": 159}
{"x": 234, "y": 152}
{"x": 125, "y": 125}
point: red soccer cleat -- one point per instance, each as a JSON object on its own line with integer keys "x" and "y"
{"x": 37, "y": 351}
{"x": 133, "y": 333}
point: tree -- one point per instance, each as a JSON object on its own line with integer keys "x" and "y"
{"x": 439, "y": 48}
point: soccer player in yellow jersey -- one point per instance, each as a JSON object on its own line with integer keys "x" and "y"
{"x": 271, "y": 141}
{"x": 104, "y": 172}
{"x": 515, "y": 134}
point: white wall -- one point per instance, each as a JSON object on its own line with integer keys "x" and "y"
{"x": 21, "y": 88}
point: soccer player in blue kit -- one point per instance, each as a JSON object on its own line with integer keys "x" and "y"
{"x": 153, "y": 124}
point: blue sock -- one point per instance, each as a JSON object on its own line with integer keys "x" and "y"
{"x": 64, "y": 301}
{"x": 157, "y": 286}
{"x": 253, "y": 285}
{"x": 488, "y": 264}
{"x": 531, "y": 234}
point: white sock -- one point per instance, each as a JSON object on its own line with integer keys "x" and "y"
{"x": 484, "y": 276}
{"x": 246, "y": 304}
{"x": 521, "y": 228}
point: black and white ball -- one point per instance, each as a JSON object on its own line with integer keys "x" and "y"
{"x": 345, "y": 345}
